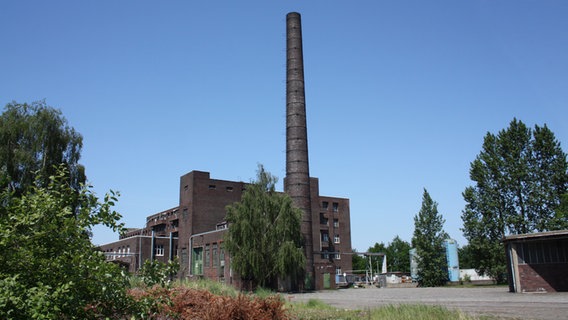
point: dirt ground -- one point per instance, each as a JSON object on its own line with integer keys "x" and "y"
{"x": 495, "y": 301}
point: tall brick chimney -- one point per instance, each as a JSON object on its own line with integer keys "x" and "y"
{"x": 297, "y": 181}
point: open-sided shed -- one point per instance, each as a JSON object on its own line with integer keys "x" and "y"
{"x": 538, "y": 262}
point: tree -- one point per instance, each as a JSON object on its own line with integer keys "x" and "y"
{"x": 264, "y": 237}
{"x": 376, "y": 262}
{"x": 428, "y": 239}
{"x": 358, "y": 262}
{"x": 466, "y": 257}
{"x": 398, "y": 257}
{"x": 34, "y": 140}
{"x": 520, "y": 176}
{"x": 50, "y": 269}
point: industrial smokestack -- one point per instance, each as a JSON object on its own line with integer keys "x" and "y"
{"x": 297, "y": 182}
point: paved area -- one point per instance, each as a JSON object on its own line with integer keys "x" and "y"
{"x": 495, "y": 301}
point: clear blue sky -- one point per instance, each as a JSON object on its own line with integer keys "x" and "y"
{"x": 399, "y": 93}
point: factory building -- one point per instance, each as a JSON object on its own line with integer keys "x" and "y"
{"x": 194, "y": 230}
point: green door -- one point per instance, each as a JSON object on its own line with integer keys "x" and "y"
{"x": 326, "y": 280}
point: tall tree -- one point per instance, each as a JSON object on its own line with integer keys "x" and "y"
{"x": 264, "y": 237}
{"x": 34, "y": 140}
{"x": 398, "y": 257}
{"x": 428, "y": 239}
{"x": 520, "y": 176}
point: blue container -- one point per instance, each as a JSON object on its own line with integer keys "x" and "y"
{"x": 452, "y": 259}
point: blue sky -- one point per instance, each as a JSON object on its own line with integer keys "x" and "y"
{"x": 399, "y": 93}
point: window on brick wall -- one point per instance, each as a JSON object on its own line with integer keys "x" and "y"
{"x": 324, "y": 205}
{"x": 159, "y": 250}
{"x": 337, "y": 256}
{"x": 335, "y": 223}
{"x": 324, "y": 237}
{"x": 214, "y": 250}
{"x": 336, "y": 238}
{"x": 207, "y": 257}
{"x": 335, "y": 207}
{"x": 337, "y": 270}
{"x": 323, "y": 219}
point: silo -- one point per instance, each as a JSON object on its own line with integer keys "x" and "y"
{"x": 452, "y": 259}
{"x": 413, "y": 265}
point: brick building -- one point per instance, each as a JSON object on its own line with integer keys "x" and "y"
{"x": 538, "y": 262}
{"x": 194, "y": 230}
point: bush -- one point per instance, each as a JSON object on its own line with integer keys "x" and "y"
{"x": 50, "y": 269}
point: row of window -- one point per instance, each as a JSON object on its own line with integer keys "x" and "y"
{"x": 324, "y": 221}
{"x": 112, "y": 254}
{"x": 325, "y": 237}
{"x": 334, "y": 206}
{"x": 327, "y": 255}
{"x": 210, "y": 255}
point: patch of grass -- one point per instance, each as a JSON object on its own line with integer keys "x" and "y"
{"x": 317, "y": 310}
{"x": 419, "y": 312}
{"x": 214, "y": 287}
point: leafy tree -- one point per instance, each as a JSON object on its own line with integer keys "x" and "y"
{"x": 466, "y": 257}
{"x": 428, "y": 239}
{"x": 34, "y": 140}
{"x": 520, "y": 176}
{"x": 376, "y": 261}
{"x": 50, "y": 269}
{"x": 359, "y": 263}
{"x": 398, "y": 257}
{"x": 264, "y": 237}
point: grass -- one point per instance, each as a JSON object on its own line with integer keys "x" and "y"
{"x": 315, "y": 309}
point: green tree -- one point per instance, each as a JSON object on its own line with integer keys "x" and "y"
{"x": 50, "y": 269}
{"x": 376, "y": 262}
{"x": 264, "y": 237}
{"x": 359, "y": 263}
{"x": 520, "y": 176}
{"x": 466, "y": 257}
{"x": 34, "y": 140}
{"x": 428, "y": 239}
{"x": 398, "y": 257}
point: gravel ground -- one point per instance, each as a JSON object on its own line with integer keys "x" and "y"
{"x": 495, "y": 301}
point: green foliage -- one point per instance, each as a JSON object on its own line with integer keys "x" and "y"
{"x": 428, "y": 239}
{"x": 154, "y": 272}
{"x": 317, "y": 310}
{"x": 34, "y": 140}
{"x": 466, "y": 257}
{"x": 398, "y": 258}
{"x": 359, "y": 263}
{"x": 520, "y": 176}
{"x": 264, "y": 238}
{"x": 50, "y": 269}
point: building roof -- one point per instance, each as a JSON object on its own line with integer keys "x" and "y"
{"x": 538, "y": 236}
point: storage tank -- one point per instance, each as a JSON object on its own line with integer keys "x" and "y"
{"x": 413, "y": 265}
{"x": 452, "y": 259}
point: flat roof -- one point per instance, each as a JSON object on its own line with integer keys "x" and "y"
{"x": 538, "y": 235}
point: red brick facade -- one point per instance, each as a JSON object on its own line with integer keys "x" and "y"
{"x": 198, "y": 225}
{"x": 538, "y": 262}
